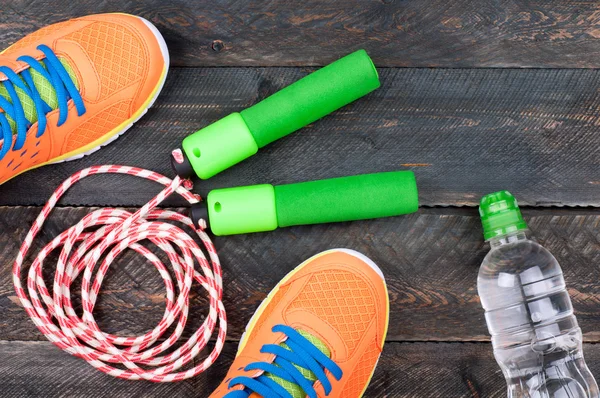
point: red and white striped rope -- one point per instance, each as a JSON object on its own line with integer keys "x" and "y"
{"x": 113, "y": 231}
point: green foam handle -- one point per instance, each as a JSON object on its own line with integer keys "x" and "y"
{"x": 312, "y": 97}
{"x": 240, "y": 135}
{"x": 264, "y": 207}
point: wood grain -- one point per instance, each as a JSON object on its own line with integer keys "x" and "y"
{"x": 531, "y": 126}
{"x": 465, "y": 133}
{"x": 504, "y": 33}
{"x": 436, "y": 370}
{"x": 430, "y": 260}
{"x": 39, "y": 369}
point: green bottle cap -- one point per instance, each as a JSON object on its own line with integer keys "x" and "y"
{"x": 500, "y": 215}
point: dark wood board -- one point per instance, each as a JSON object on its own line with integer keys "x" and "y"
{"x": 40, "y": 369}
{"x": 465, "y": 133}
{"x": 413, "y": 33}
{"x": 436, "y": 370}
{"x": 512, "y": 102}
{"x": 430, "y": 260}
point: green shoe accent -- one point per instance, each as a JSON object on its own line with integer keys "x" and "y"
{"x": 500, "y": 215}
{"x": 295, "y": 390}
{"x": 47, "y": 93}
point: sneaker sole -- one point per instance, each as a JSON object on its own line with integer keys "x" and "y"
{"x": 126, "y": 125}
{"x": 252, "y": 323}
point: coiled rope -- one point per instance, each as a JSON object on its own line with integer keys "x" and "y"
{"x": 113, "y": 231}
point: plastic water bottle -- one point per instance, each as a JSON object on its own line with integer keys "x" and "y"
{"x": 537, "y": 341}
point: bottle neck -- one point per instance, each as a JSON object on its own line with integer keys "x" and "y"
{"x": 508, "y": 238}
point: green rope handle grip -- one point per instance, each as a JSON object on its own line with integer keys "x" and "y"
{"x": 239, "y": 135}
{"x": 265, "y": 207}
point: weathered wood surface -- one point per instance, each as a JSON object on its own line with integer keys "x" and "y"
{"x": 430, "y": 260}
{"x": 465, "y": 133}
{"x": 405, "y": 370}
{"x": 39, "y": 369}
{"x": 436, "y": 370}
{"x": 416, "y": 33}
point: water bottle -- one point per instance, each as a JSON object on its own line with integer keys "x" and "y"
{"x": 536, "y": 339}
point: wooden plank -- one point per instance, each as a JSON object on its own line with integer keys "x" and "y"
{"x": 436, "y": 370}
{"x": 430, "y": 260}
{"x": 39, "y": 369}
{"x": 465, "y": 133}
{"x": 446, "y": 370}
{"x": 397, "y": 33}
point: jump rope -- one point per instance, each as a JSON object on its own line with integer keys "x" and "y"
{"x": 119, "y": 230}
{"x": 90, "y": 246}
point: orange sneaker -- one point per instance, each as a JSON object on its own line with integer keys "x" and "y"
{"x": 69, "y": 88}
{"x": 319, "y": 333}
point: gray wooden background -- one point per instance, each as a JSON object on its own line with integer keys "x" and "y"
{"x": 475, "y": 97}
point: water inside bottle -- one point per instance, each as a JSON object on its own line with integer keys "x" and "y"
{"x": 535, "y": 335}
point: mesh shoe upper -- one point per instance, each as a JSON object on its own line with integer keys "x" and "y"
{"x": 118, "y": 63}
{"x": 338, "y": 299}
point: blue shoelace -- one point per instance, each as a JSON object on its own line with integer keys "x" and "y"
{"x": 302, "y": 353}
{"x": 57, "y": 76}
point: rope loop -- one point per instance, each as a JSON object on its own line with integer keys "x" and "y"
{"x": 99, "y": 237}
